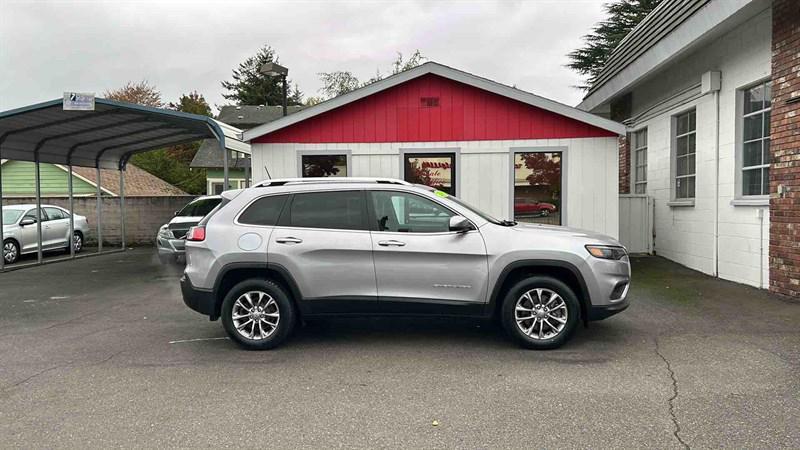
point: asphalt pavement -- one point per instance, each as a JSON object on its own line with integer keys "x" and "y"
{"x": 101, "y": 352}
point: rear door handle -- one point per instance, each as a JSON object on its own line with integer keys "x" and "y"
{"x": 288, "y": 240}
{"x": 391, "y": 243}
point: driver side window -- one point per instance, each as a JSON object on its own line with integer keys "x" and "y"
{"x": 408, "y": 213}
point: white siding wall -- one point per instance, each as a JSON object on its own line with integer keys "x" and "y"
{"x": 686, "y": 234}
{"x": 485, "y": 172}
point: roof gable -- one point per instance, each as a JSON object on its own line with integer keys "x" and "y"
{"x": 469, "y": 108}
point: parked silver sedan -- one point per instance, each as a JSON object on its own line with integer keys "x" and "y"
{"x": 20, "y": 235}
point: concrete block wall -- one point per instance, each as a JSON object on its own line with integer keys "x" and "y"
{"x": 144, "y": 215}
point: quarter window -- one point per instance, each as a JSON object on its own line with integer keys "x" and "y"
{"x": 264, "y": 211}
{"x": 324, "y": 165}
{"x": 685, "y": 150}
{"x": 408, "y": 213}
{"x": 343, "y": 210}
{"x": 755, "y": 139}
{"x": 640, "y": 161}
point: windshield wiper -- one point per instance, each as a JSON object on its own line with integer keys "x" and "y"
{"x": 508, "y": 223}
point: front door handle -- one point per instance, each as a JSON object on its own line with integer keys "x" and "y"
{"x": 391, "y": 243}
{"x": 288, "y": 240}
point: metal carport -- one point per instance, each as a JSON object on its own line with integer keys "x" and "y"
{"x": 104, "y": 138}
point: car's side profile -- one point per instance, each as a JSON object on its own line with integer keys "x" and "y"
{"x": 20, "y": 235}
{"x": 306, "y": 248}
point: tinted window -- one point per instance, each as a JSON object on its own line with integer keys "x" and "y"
{"x": 54, "y": 214}
{"x": 409, "y": 213}
{"x": 199, "y": 208}
{"x": 338, "y": 210}
{"x": 264, "y": 211}
{"x": 31, "y": 214}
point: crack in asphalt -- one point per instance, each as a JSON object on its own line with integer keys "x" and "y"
{"x": 56, "y": 367}
{"x": 671, "y": 401}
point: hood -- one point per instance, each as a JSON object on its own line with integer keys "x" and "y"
{"x": 588, "y": 236}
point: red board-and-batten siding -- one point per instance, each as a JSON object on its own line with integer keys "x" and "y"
{"x": 465, "y": 113}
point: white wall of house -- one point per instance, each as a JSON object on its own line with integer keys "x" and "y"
{"x": 483, "y": 172}
{"x": 686, "y": 234}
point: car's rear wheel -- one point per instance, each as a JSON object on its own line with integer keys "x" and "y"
{"x": 540, "y": 312}
{"x": 258, "y": 314}
{"x": 10, "y": 251}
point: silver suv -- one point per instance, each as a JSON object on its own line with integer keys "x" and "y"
{"x": 292, "y": 249}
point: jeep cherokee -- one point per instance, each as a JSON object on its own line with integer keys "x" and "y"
{"x": 292, "y": 249}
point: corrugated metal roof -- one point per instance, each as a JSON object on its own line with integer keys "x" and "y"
{"x": 105, "y": 137}
{"x": 659, "y": 23}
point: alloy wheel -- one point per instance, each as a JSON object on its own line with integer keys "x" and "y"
{"x": 541, "y": 314}
{"x": 255, "y": 315}
{"x": 9, "y": 252}
{"x": 77, "y": 242}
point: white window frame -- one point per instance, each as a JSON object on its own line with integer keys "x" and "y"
{"x": 236, "y": 183}
{"x": 682, "y": 201}
{"x": 348, "y": 154}
{"x": 740, "y": 198}
{"x": 636, "y": 147}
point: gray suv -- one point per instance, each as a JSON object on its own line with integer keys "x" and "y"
{"x": 292, "y": 249}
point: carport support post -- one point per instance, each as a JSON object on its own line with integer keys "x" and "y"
{"x": 224, "y": 166}
{"x": 71, "y": 212}
{"x": 99, "y": 213}
{"x": 122, "y": 204}
{"x": 38, "y": 182}
{"x": 2, "y": 244}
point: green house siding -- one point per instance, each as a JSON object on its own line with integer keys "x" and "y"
{"x": 233, "y": 174}
{"x": 18, "y": 180}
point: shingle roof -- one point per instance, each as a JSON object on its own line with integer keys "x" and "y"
{"x": 245, "y": 117}
{"x": 138, "y": 182}
{"x": 249, "y": 116}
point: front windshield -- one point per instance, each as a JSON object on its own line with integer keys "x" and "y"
{"x": 10, "y": 216}
{"x": 199, "y": 208}
{"x": 464, "y": 204}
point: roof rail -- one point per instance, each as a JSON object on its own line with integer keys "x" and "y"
{"x": 329, "y": 180}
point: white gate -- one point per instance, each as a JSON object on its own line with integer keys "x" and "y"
{"x": 636, "y": 223}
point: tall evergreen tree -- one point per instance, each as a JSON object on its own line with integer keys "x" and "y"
{"x": 251, "y": 87}
{"x": 623, "y": 16}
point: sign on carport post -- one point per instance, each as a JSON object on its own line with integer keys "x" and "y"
{"x": 78, "y": 101}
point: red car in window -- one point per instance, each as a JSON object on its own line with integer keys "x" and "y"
{"x": 526, "y": 206}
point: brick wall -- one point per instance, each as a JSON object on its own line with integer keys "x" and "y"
{"x": 624, "y": 165}
{"x": 784, "y": 243}
{"x": 144, "y": 215}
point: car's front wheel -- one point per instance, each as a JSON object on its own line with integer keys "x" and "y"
{"x": 540, "y": 312}
{"x": 10, "y": 251}
{"x": 258, "y": 314}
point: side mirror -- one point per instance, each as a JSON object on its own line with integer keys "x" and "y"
{"x": 460, "y": 224}
{"x": 27, "y": 221}
{"x": 175, "y": 213}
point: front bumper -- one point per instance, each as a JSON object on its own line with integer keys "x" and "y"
{"x": 200, "y": 300}
{"x": 605, "y": 311}
{"x": 174, "y": 248}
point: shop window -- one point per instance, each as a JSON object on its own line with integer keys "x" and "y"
{"x": 437, "y": 170}
{"x": 324, "y": 165}
{"x": 538, "y": 191}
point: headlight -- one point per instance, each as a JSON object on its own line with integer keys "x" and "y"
{"x": 164, "y": 232}
{"x": 606, "y": 251}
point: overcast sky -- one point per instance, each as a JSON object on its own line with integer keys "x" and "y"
{"x": 48, "y": 47}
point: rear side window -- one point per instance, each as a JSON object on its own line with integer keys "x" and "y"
{"x": 343, "y": 210}
{"x": 54, "y": 214}
{"x": 264, "y": 211}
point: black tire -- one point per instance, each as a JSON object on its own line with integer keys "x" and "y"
{"x": 15, "y": 256}
{"x": 509, "y": 320}
{"x": 285, "y": 308}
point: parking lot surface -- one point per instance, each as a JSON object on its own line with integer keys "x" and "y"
{"x": 102, "y": 352}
